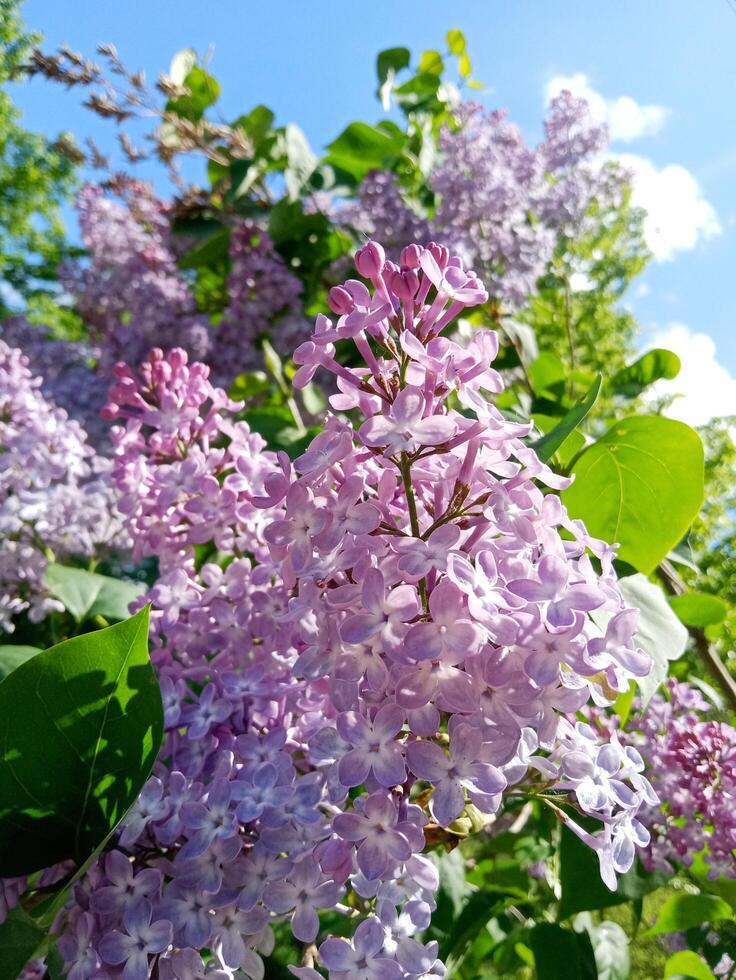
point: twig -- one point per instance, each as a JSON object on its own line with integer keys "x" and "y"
{"x": 675, "y": 586}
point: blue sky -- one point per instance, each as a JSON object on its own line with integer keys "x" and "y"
{"x": 313, "y": 63}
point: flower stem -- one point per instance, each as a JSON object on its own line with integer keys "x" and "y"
{"x": 405, "y": 469}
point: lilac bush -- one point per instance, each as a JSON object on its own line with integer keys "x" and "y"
{"x": 338, "y": 678}
{"x": 501, "y": 204}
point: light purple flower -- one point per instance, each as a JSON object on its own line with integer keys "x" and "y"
{"x": 450, "y": 631}
{"x": 381, "y": 836}
{"x": 305, "y": 891}
{"x": 560, "y": 599}
{"x": 374, "y": 747}
{"x": 141, "y": 939}
{"x": 361, "y": 959}
{"x": 405, "y": 428}
{"x": 126, "y": 888}
{"x": 451, "y": 775}
{"x": 385, "y": 613}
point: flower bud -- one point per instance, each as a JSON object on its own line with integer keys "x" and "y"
{"x": 370, "y": 260}
{"x": 340, "y": 301}
{"x": 405, "y": 284}
{"x": 410, "y": 256}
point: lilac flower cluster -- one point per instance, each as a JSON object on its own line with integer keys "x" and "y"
{"x": 692, "y": 766}
{"x": 133, "y": 297}
{"x": 399, "y": 616}
{"x": 501, "y": 204}
{"x": 55, "y": 494}
{"x": 130, "y": 292}
{"x": 264, "y": 299}
{"x": 379, "y": 211}
{"x": 68, "y": 378}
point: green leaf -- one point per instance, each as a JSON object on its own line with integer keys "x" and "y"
{"x": 388, "y": 64}
{"x": 465, "y": 67}
{"x": 361, "y": 148}
{"x": 181, "y": 64}
{"x": 581, "y": 888}
{"x": 20, "y": 937}
{"x": 431, "y": 63}
{"x": 456, "y": 42}
{"x": 247, "y": 386}
{"x": 80, "y": 727}
{"x": 623, "y": 704}
{"x": 546, "y": 372}
{"x": 453, "y": 880}
{"x": 640, "y": 485}
{"x": 548, "y": 445}
{"x": 659, "y": 363}
{"x": 687, "y": 964}
{"x": 419, "y": 92}
{"x": 699, "y": 608}
{"x": 87, "y": 594}
{"x": 683, "y": 911}
{"x": 560, "y": 954}
{"x": 204, "y": 91}
{"x": 659, "y": 632}
{"x": 13, "y": 656}
{"x": 211, "y": 250}
{"x": 477, "y": 911}
{"x": 391, "y": 60}
{"x": 611, "y": 950}
{"x": 301, "y": 160}
{"x": 725, "y": 887}
{"x": 257, "y": 123}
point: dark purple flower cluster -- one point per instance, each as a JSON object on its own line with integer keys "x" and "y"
{"x": 692, "y": 766}
{"x": 264, "y": 299}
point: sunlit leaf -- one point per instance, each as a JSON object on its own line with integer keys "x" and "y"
{"x": 80, "y": 727}
{"x": 641, "y": 486}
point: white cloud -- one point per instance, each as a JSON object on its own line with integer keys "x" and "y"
{"x": 627, "y": 119}
{"x": 678, "y": 215}
{"x": 706, "y": 388}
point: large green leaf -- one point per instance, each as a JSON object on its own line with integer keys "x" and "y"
{"x": 699, "y": 608}
{"x": 546, "y": 372}
{"x": 549, "y": 443}
{"x": 80, "y": 727}
{"x": 659, "y": 632}
{"x": 560, "y": 954}
{"x": 640, "y": 485}
{"x": 361, "y": 148}
{"x": 581, "y": 888}
{"x": 659, "y": 363}
{"x": 87, "y": 594}
{"x": 13, "y": 656}
{"x": 683, "y": 911}
{"x": 20, "y": 937}
{"x": 611, "y": 949}
{"x": 687, "y": 964}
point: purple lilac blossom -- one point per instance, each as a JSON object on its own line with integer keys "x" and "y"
{"x": 285, "y": 659}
